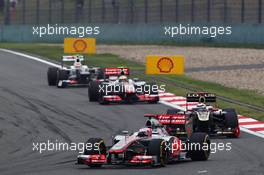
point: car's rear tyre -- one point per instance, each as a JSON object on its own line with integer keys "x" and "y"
{"x": 103, "y": 92}
{"x": 173, "y": 111}
{"x": 101, "y": 149}
{"x": 101, "y": 100}
{"x": 101, "y": 74}
{"x": 153, "y": 91}
{"x": 95, "y": 165}
{"x": 95, "y": 141}
{"x": 52, "y": 76}
{"x": 62, "y": 75}
{"x": 197, "y": 145}
{"x": 231, "y": 120}
{"x": 131, "y": 99}
{"x": 153, "y": 101}
{"x": 157, "y": 147}
{"x": 93, "y": 91}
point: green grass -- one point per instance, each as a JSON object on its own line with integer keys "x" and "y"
{"x": 55, "y": 52}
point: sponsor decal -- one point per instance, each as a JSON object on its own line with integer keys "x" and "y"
{"x": 158, "y": 64}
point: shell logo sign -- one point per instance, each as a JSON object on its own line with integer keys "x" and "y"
{"x": 158, "y": 64}
{"x": 80, "y": 45}
{"x": 165, "y": 65}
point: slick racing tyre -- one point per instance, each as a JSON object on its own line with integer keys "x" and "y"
{"x": 101, "y": 99}
{"x": 93, "y": 91}
{"x": 157, "y": 147}
{"x": 199, "y": 146}
{"x": 101, "y": 74}
{"x": 62, "y": 75}
{"x": 102, "y": 93}
{"x": 101, "y": 149}
{"x": 231, "y": 121}
{"x": 52, "y": 76}
{"x": 153, "y": 91}
{"x": 131, "y": 98}
{"x": 98, "y": 147}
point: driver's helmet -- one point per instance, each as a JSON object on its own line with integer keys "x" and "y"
{"x": 145, "y": 132}
{"x": 201, "y": 106}
{"x": 113, "y": 78}
{"x": 77, "y": 63}
{"x": 122, "y": 78}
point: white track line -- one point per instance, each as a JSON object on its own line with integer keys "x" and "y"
{"x": 261, "y": 132}
{"x": 252, "y": 132}
{"x": 246, "y": 120}
{"x": 30, "y": 57}
{"x": 253, "y": 126}
{"x": 171, "y": 98}
{"x": 173, "y": 105}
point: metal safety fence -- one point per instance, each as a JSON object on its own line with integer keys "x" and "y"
{"x": 131, "y": 11}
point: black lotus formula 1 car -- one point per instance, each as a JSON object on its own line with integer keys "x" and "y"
{"x": 209, "y": 119}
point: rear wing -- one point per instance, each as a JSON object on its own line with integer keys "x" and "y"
{"x": 72, "y": 58}
{"x": 201, "y": 97}
{"x": 116, "y": 71}
{"x": 166, "y": 119}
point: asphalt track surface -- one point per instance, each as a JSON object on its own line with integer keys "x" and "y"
{"x": 31, "y": 111}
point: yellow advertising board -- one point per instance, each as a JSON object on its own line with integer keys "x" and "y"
{"x": 80, "y": 45}
{"x": 158, "y": 64}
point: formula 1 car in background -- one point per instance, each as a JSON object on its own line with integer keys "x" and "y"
{"x": 207, "y": 118}
{"x": 76, "y": 74}
{"x": 150, "y": 146}
{"x": 116, "y": 87}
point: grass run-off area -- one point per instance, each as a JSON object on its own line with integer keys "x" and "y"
{"x": 55, "y": 52}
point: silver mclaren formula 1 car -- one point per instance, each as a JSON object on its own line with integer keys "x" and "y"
{"x": 116, "y": 87}
{"x": 151, "y": 145}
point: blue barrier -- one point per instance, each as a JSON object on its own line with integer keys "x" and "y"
{"x": 139, "y": 33}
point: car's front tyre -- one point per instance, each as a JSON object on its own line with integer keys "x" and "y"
{"x": 199, "y": 146}
{"x": 93, "y": 91}
{"x": 52, "y": 76}
{"x": 157, "y": 147}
